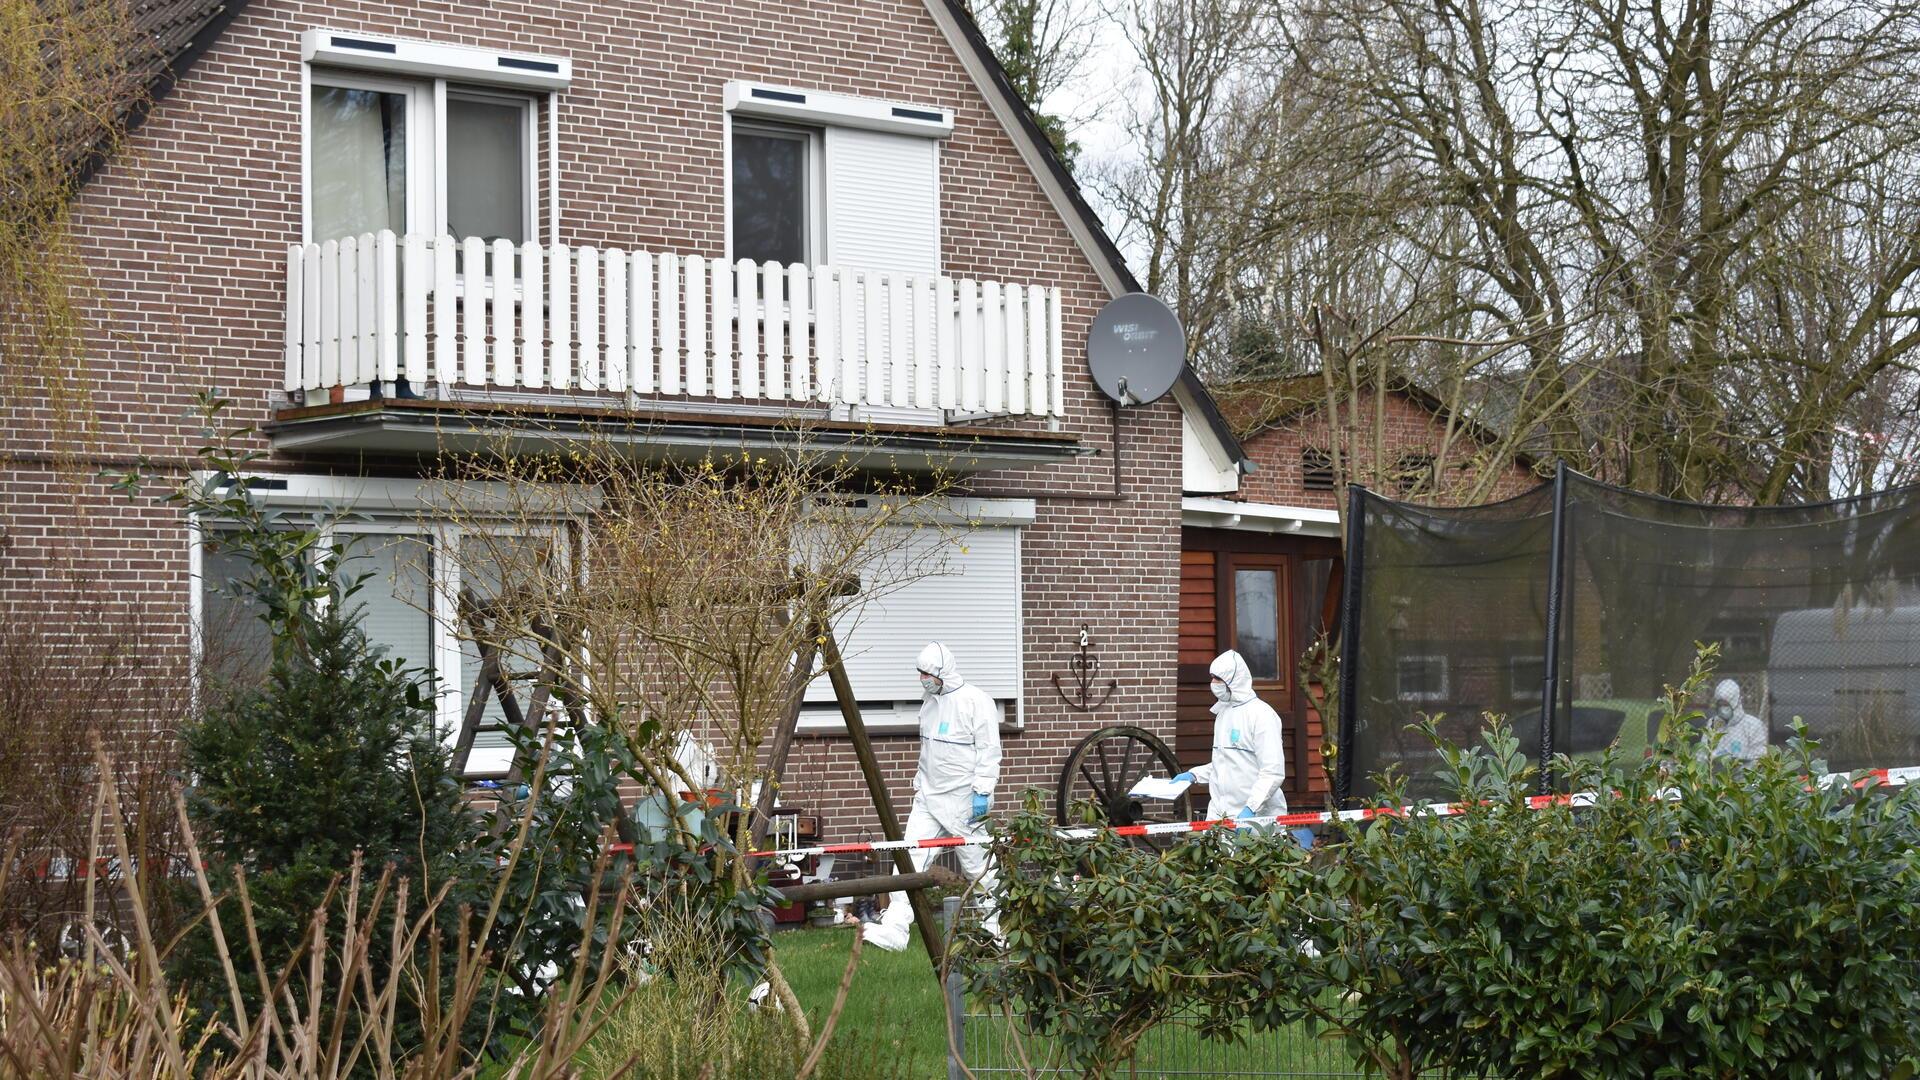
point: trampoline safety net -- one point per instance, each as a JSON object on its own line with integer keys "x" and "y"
{"x": 1816, "y": 610}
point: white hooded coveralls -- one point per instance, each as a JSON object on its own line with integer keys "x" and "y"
{"x": 1742, "y": 736}
{"x": 959, "y": 758}
{"x": 1249, "y": 760}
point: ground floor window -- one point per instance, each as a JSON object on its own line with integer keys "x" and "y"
{"x": 960, "y": 586}
{"x": 418, "y": 588}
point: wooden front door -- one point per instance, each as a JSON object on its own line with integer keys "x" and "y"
{"x": 1249, "y": 592}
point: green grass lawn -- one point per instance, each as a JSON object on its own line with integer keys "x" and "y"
{"x": 894, "y": 1024}
{"x": 893, "y": 1009}
{"x": 894, "y": 1012}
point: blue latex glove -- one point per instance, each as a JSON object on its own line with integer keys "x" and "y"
{"x": 980, "y": 805}
{"x": 1246, "y": 812}
{"x": 1187, "y": 776}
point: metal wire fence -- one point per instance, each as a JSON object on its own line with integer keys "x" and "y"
{"x": 991, "y": 1045}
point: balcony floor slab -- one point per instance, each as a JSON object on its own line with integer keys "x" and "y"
{"x": 427, "y": 428}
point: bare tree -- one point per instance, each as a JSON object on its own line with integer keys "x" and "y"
{"x": 1199, "y": 134}
{"x": 676, "y": 600}
{"x": 75, "y": 73}
{"x": 1695, "y": 220}
{"x": 1043, "y": 45}
{"x": 1674, "y": 244}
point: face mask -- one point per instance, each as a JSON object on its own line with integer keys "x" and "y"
{"x": 1219, "y": 689}
{"x": 1725, "y": 711}
{"x": 929, "y": 683}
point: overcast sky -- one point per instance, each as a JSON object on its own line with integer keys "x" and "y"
{"x": 1096, "y": 104}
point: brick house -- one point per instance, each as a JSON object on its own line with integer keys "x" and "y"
{"x": 1260, "y": 555}
{"x": 736, "y": 214}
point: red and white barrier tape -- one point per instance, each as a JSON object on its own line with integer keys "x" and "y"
{"x": 62, "y": 869}
{"x": 1866, "y": 778}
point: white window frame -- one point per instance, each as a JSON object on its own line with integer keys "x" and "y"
{"x": 393, "y": 508}
{"x": 529, "y": 141}
{"x": 1517, "y": 688}
{"x": 887, "y": 716}
{"x": 423, "y": 141}
{"x": 814, "y": 244}
{"x": 451, "y": 705}
{"x": 1446, "y": 678}
{"x": 427, "y": 99}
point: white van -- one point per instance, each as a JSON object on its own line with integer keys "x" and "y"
{"x": 1853, "y": 674}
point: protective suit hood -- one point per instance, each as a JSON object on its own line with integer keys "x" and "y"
{"x": 1729, "y": 692}
{"x": 1742, "y": 735}
{"x": 937, "y": 660}
{"x": 1231, "y": 668}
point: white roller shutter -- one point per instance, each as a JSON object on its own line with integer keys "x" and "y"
{"x": 883, "y": 213}
{"x": 970, "y": 599}
{"x": 883, "y": 201}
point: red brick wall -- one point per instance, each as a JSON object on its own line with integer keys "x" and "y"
{"x": 1410, "y": 428}
{"x": 186, "y": 232}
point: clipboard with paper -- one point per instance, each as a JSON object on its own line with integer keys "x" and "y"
{"x": 1159, "y": 787}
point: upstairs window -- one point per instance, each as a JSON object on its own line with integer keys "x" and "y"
{"x": 490, "y": 166}
{"x": 819, "y": 177}
{"x": 421, "y": 137}
{"x": 375, "y": 163}
{"x": 359, "y": 157}
{"x": 369, "y": 145}
{"x": 773, "y": 193}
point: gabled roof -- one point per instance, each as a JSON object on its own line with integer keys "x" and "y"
{"x": 182, "y": 30}
{"x": 176, "y": 32}
{"x": 167, "y": 37}
{"x": 1252, "y": 406}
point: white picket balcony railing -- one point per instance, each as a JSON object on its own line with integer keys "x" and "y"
{"x": 537, "y": 317}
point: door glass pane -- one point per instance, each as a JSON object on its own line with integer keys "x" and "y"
{"x": 487, "y": 169}
{"x": 1256, "y": 621}
{"x": 769, "y": 197}
{"x": 395, "y": 600}
{"x": 359, "y": 159}
{"x": 235, "y": 647}
{"x": 500, "y": 572}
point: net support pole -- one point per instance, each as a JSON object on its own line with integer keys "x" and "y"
{"x": 1349, "y": 645}
{"x": 1556, "y": 596}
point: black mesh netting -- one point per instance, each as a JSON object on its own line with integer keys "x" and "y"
{"x": 1816, "y": 610}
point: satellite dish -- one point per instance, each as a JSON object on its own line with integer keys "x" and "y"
{"x": 1136, "y": 349}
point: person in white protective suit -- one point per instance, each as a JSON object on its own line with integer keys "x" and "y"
{"x": 952, "y": 788}
{"x": 1249, "y": 761}
{"x": 1742, "y": 734}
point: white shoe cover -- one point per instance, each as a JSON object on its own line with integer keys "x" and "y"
{"x": 890, "y": 938}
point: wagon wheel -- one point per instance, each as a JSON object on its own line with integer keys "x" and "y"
{"x": 1101, "y": 770}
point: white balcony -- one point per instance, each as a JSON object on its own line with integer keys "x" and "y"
{"x": 464, "y": 319}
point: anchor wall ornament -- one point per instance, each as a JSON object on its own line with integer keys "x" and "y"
{"x": 1085, "y": 673}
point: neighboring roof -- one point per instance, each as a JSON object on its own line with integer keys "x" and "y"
{"x": 182, "y": 30}
{"x": 1252, "y": 406}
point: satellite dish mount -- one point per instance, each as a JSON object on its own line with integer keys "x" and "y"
{"x": 1136, "y": 349}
